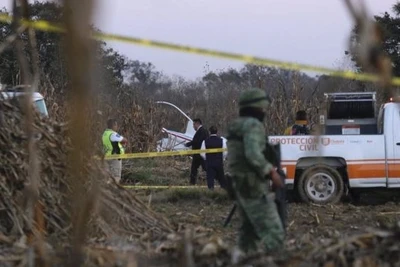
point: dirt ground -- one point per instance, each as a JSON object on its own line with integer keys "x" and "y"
{"x": 306, "y": 223}
{"x": 310, "y": 227}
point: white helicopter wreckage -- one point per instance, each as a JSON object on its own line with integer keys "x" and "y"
{"x": 176, "y": 140}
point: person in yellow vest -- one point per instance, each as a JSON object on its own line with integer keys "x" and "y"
{"x": 300, "y": 126}
{"x": 112, "y": 144}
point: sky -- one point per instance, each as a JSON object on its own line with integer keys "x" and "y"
{"x": 300, "y": 31}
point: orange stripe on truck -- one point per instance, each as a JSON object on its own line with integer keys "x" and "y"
{"x": 366, "y": 170}
{"x": 394, "y": 170}
{"x": 290, "y": 171}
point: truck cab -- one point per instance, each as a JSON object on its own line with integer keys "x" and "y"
{"x": 18, "y": 91}
{"x": 359, "y": 148}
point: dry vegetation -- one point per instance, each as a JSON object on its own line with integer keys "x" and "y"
{"x": 162, "y": 227}
{"x": 59, "y": 208}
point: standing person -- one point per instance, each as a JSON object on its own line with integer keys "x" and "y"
{"x": 261, "y": 224}
{"x": 197, "y": 161}
{"x": 300, "y": 126}
{"x": 112, "y": 144}
{"x": 214, "y": 161}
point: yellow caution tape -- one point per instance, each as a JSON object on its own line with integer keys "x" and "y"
{"x": 163, "y": 186}
{"x": 163, "y": 154}
{"x": 51, "y": 27}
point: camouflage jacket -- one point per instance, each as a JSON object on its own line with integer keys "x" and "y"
{"x": 246, "y": 161}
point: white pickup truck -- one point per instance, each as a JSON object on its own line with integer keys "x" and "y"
{"x": 37, "y": 98}
{"x": 322, "y": 168}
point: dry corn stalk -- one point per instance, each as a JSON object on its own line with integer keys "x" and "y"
{"x": 78, "y": 14}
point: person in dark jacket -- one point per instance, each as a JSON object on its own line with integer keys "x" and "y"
{"x": 198, "y": 138}
{"x": 214, "y": 161}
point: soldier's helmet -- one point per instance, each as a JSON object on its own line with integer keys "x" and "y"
{"x": 255, "y": 98}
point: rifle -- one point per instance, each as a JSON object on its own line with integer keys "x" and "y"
{"x": 228, "y": 219}
{"x": 272, "y": 152}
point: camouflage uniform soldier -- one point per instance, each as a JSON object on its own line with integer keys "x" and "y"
{"x": 249, "y": 170}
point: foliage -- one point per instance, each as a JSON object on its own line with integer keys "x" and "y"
{"x": 391, "y": 36}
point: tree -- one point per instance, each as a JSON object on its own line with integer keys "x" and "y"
{"x": 391, "y": 37}
{"x": 110, "y": 64}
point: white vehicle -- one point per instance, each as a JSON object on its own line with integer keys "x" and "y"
{"x": 37, "y": 98}
{"x": 360, "y": 149}
{"x": 175, "y": 141}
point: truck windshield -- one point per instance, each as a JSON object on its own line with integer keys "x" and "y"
{"x": 41, "y": 106}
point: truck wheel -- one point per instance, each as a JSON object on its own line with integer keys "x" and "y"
{"x": 320, "y": 184}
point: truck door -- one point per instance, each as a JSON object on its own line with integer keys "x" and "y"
{"x": 394, "y": 161}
